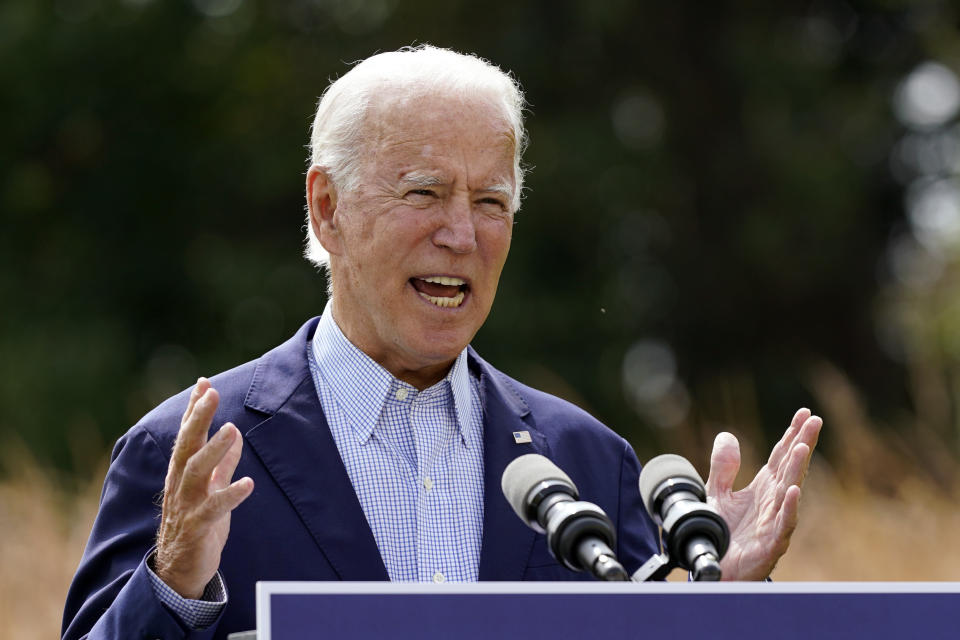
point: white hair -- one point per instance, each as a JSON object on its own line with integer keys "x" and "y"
{"x": 337, "y": 137}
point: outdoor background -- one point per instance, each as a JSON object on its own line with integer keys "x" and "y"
{"x": 734, "y": 210}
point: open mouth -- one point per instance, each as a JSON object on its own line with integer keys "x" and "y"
{"x": 443, "y": 291}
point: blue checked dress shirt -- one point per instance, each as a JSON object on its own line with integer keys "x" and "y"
{"x": 196, "y": 614}
{"x": 415, "y": 459}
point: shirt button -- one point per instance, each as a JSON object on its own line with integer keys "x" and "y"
{"x": 428, "y": 484}
{"x": 439, "y": 577}
{"x": 402, "y": 394}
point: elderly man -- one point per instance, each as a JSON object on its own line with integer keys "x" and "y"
{"x": 370, "y": 445}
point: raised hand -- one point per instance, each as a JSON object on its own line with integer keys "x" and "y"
{"x": 763, "y": 515}
{"x": 198, "y": 497}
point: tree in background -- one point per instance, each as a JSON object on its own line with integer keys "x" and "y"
{"x": 713, "y": 210}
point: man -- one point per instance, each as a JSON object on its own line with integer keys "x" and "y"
{"x": 371, "y": 444}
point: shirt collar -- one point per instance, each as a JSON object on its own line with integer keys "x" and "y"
{"x": 360, "y": 385}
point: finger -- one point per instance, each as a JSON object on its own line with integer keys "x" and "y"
{"x": 789, "y": 515}
{"x": 193, "y": 432}
{"x": 793, "y": 472}
{"x": 809, "y": 436}
{"x": 724, "y": 464}
{"x": 226, "y": 500}
{"x": 810, "y": 432}
{"x": 781, "y": 449}
{"x": 180, "y": 453}
{"x": 198, "y": 390}
{"x": 199, "y": 469}
{"x": 224, "y": 470}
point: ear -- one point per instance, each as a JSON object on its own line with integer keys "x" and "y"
{"x": 322, "y": 204}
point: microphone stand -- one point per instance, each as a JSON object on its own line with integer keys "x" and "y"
{"x": 656, "y": 568}
{"x": 706, "y": 566}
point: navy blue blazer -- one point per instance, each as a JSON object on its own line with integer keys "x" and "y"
{"x": 303, "y": 520}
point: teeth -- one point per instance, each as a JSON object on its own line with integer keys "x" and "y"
{"x": 447, "y": 280}
{"x": 455, "y": 301}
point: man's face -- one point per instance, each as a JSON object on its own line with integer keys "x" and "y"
{"x": 419, "y": 245}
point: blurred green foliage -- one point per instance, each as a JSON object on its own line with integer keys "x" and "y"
{"x": 708, "y": 176}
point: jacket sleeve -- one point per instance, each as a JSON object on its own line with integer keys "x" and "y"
{"x": 111, "y": 596}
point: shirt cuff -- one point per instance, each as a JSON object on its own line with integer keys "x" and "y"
{"x": 195, "y": 614}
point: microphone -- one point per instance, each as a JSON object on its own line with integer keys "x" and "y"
{"x": 695, "y": 534}
{"x": 579, "y": 534}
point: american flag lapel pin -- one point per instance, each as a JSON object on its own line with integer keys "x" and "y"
{"x": 521, "y": 437}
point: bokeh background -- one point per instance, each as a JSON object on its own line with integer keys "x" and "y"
{"x": 734, "y": 209}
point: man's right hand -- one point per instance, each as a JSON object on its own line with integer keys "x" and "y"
{"x": 198, "y": 497}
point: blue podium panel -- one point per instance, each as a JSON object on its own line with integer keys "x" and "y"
{"x": 548, "y": 611}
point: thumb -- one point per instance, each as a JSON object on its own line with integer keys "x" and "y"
{"x": 724, "y": 464}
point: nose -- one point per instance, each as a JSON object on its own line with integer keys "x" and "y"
{"x": 457, "y": 230}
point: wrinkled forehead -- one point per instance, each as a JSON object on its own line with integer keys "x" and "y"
{"x": 430, "y": 124}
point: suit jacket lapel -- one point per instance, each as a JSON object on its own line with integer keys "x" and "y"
{"x": 296, "y": 446}
{"x": 507, "y": 540}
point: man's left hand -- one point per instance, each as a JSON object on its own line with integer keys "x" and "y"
{"x": 763, "y": 515}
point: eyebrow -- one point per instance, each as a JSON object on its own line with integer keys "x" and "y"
{"x": 503, "y": 189}
{"x": 418, "y": 179}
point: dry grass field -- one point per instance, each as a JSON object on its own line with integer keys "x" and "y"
{"x": 873, "y": 512}
{"x": 43, "y": 527}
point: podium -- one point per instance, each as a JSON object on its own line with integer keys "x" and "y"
{"x": 554, "y": 610}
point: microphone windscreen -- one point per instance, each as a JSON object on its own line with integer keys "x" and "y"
{"x": 525, "y": 473}
{"x": 662, "y": 468}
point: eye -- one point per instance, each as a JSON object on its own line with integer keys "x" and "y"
{"x": 494, "y": 202}
{"x": 422, "y": 192}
